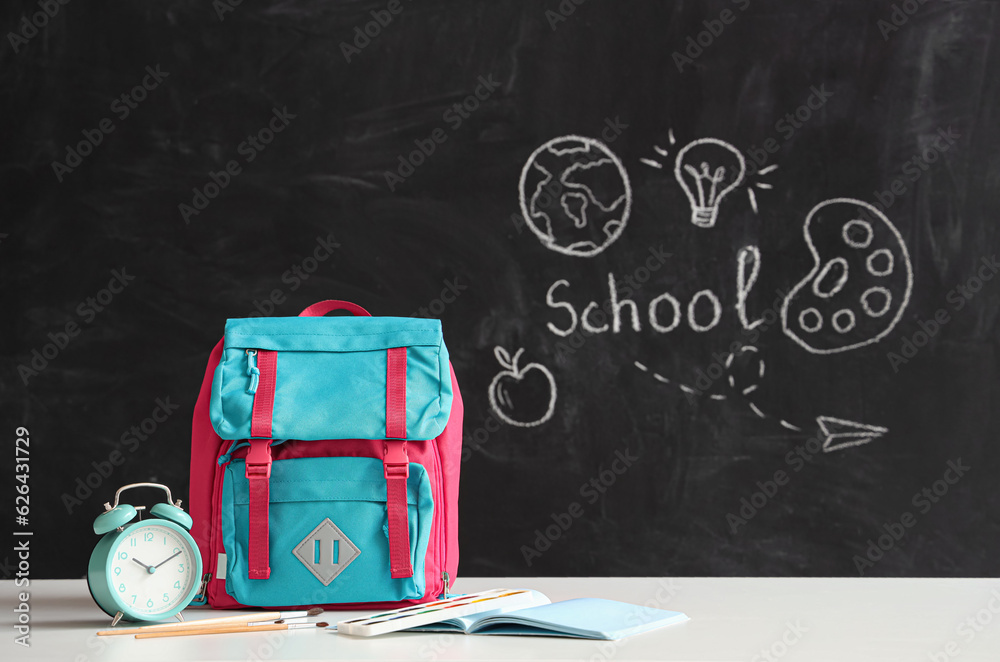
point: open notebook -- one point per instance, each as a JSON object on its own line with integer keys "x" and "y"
{"x": 531, "y": 613}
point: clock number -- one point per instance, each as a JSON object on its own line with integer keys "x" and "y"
{"x": 180, "y": 567}
{"x": 121, "y": 588}
{"x": 118, "y": 570}
{"x": 132, "y": 542}
{"x": 166, "y": 598}
{"x": 176, "y": 549}
{"x": 123, "y": 555}
{"x": 147, "y": 537}
{"x": 177, "y": 584}
{"x": 133, "y": 598}
{"x": 149, "y": 603}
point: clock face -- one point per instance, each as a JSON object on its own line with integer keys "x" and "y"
{"x": 153, "y": 569}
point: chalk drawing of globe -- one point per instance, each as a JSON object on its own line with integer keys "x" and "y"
{"x": 575, "y": 195}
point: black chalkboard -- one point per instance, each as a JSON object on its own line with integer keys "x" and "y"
{"x": 501, "y": 165}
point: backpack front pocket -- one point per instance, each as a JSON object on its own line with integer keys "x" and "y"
{"x": 327, "y": 533}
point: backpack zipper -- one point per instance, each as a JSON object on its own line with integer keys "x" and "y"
{"x": 442, "y": 536}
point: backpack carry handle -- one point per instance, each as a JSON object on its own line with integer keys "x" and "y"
{"x": 324, "y": 307}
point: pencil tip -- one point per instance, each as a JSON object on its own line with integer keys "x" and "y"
{"x": 315, "y": 611}
{"x": 322, "y": 625}
{"x": 278, "y": 622}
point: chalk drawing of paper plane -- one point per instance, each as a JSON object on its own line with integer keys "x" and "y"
{"x": 839, "y": 433}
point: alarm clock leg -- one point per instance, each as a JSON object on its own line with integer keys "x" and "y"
{"x": 117, "y": 618}
{"x": 180, "y": 617}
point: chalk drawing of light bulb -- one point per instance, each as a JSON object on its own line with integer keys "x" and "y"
{"x": 708, "y": 169}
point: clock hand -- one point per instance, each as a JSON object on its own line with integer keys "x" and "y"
{"x": 165, "y": 560}
{"x": 140, "y": 563}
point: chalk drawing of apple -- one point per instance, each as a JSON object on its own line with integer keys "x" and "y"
{"x": 518, "y": 394}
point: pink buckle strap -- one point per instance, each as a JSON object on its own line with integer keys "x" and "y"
{"x": 263, "y": 399}
{"x": 396, "y": 463}
{"x": 258, "y": 465}
{"x": 258, "y": 473}
{"x": 397, "y": 470}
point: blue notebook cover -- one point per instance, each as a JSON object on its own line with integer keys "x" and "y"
{"x": 586, "y": 618}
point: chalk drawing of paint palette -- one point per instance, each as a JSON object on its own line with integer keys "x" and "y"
{"x": 859, "y": 284}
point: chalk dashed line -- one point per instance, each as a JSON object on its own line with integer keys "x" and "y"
{"x": 732, "y": 383}
{"x": 652, "y": 163}
{"x": 660, "y": 378}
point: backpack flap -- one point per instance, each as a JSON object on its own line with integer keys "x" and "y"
{"x": 313, "y": 378}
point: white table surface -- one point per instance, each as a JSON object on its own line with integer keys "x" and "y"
{"x": 820, "y": 620}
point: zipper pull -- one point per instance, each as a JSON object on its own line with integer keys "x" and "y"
{"x": 200, "y": 598}
{"x": 447, "y": 579}
{"x": 224, "y": 458}
{"x": 253, "y": 371}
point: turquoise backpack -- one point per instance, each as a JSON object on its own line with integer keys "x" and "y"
{"x": 325, "y": 462}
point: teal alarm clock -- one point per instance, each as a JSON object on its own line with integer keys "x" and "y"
{"x": 146, "y": 570}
